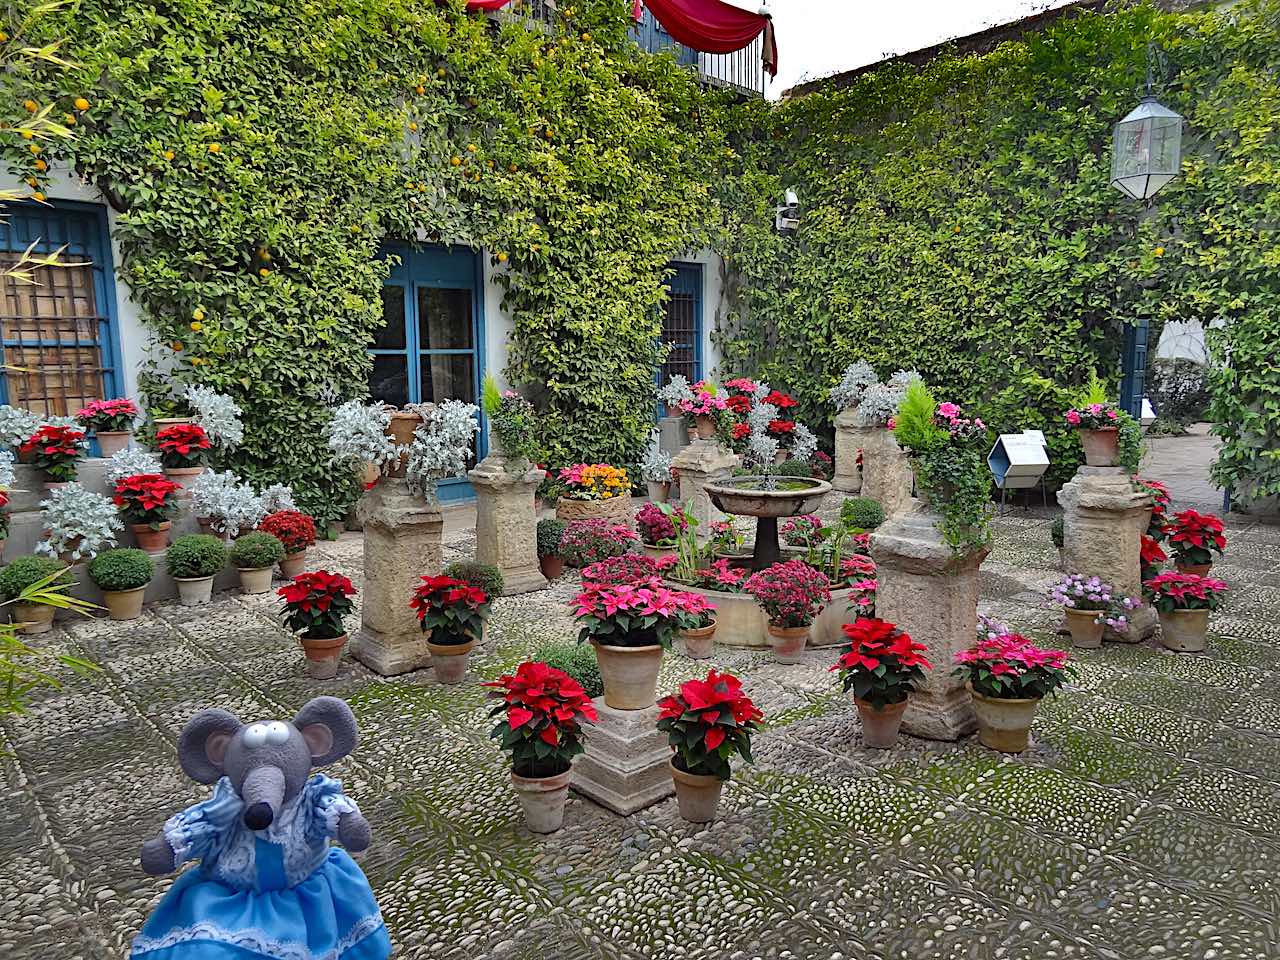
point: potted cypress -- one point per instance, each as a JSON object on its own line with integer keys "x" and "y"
{"x": 314, "y": 607}
{"x": 18, "y": 578}
{"x": 1184, "y": 602}
{"x": 881, "y": 667}
{"x": 254, "y": 555}
{"x": 1194, "y": 538}
{"x": 55, "y": 451}
{"x": 453, "y": 613}
{"x": 707, "y": 723}
{"x": 111, "y": 422}
{"x": 792, "y": 594}
{"x": 122, "y": 576}
{"x": 549, "y": 560}
{"x": 297, "y": 531}
{"x": 147, "y": 502}
{"x": 1007, "y": 677}
{"x": 183, "y": 447}
{"x": 541, "y": 710}
{"x": 193, "y": 561}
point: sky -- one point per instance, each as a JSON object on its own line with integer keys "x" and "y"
{"x": 817, "y": 38}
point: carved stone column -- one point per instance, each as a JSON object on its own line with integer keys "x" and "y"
{"x": 886, "y": 471}
{"x": 506, "y": 527}
{"x": 850, "y": 439}
{"x": 703, "y": 462}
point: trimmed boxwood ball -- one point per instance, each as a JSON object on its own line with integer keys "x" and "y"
{"x": 863, "y": 512}
{"x": 549, "y": 533}
{"x": 24, "y": 571}
{"x": 125, "y": 569}
{"x": 195, "y": 555}
{"x": 578, "y": 660}
{"x": 483, "y": 575}
{"x": 256, "y": 550}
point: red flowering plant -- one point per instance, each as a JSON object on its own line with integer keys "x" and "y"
{"x": 627, "y": 568}
{"x": 1151, "y": 556}
{"x": 542, "y": 710}
{"x": 1185, "y": 591}
{"x": 722, "y": 575}
{"x": 4, "y": 514}
{"x": 821, "y": 465}
{"x": 708, "y": 722}
{"x": 1195, "y": 537}
{"x": 316, "y": 603}
{"x": 587, "y": 541}
{"x": 55, "y": 450}
{"x": 801, "y": 531}
{"x": 1011, "y": 667}
{"x": 108, "y": 416}
{"x": 1094, "y": 416}
{"x": 454, "y": 611}
{"x": 296, "y": 530}
{"x": 881, "y": 664}
{"x": 182, "y": 445}
{"x": 1159, "y": 514}
{"x": 636, "y": 614}
{"x": 148, "y": 499}
{"x": 783, "y": 401}
{"x": 792, "y": 593}
{"x": 660, "y": 524}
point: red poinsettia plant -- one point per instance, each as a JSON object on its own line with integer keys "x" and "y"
{"x": 295, "y": 529}
{"x": 542, "y": 711}
{"x": 1161, "y": 500}
{"x": 316, "y": 603}
{"x": 792, "y": 593}
{"x": 627, "y": 568}
{"x": 4, "y": 514}
{"x": 881, "y": 664}
{"x": 1185, "y": 591}
{"x": 707, "y": 723}
{"x": 1010, "y": 667}
{"x": 108, "y": 416}
{"x": 146, "y": 499}
{"x": 182, "y": 445}
{"x": 1150, "y": 556}
{"x": 636, "y": 614}
{"x": 55, "y": 450}
{"x": 1195, "y": 537}
{"x": 453, "y": 610}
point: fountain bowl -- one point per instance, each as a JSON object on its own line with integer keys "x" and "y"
{"x": 749, "y": 497}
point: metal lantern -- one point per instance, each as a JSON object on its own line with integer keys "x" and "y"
{"x": 1146, "y": 147}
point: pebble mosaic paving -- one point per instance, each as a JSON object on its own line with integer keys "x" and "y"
{"x": 1142, "y": 823}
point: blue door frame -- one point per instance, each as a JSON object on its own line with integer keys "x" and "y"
{"x": 682, "y": 323}
{"x": 421, "y": 268}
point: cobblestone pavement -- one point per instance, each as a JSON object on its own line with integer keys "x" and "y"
{"x": 1142, "y": 824}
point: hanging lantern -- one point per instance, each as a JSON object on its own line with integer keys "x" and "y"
{"x": 1146, "y": 146}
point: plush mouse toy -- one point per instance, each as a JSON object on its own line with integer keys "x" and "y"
{"x": 269, "y": 885}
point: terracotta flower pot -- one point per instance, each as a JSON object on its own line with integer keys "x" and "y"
{"x": 323, "y": 656}
{"x": 1101, "y": 447}
{"x": 369, "y": 476}
{"x": 657, "y": 553}
{"x": 691, "y": 432}
{"x": 194, "y": 591}
{"x": 1197, "y": 569}
{"x": 152, "y": 541}
{"x": 1184, "y": 630}
{"x": 542, "y": 799}
{"x": 162, "y": 422}
{"x": 1085, "y": 632}
{"x": 124, "y": 604}
{"x": 183, "y": 477}
{"x": 113, "y": 441}
{"x": 255, "y": 579}
{"x": 659, "y": 490}
{"x": 697, "y": 794}
{"x": 788, "y": 642}
{"x": 699, "y": 644}
{"x": 293, "y": 564}
{"x": 781, "y": 456}
{"x": 403, "y": 424}
{"x": 1004, "y": 723}
{"x": 24, "y": 456}
{"x": 880, "y": 725}
{"x": 206, "y": 526}
{"x": 67, "y": 555}
{"x": 630, "y": 674}
{"x": 33, "y": 617}
{"x": 704, "y": 427}
{"x": 449, "y": 660}
{"x": 552, "y": 566}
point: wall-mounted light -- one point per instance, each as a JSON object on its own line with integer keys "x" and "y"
{"x": 787, "y": 217}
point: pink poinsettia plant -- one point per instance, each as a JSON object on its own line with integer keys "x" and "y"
{"x": 792, "y": 593}
{"x": 1011, "y": 667}
{"x": 542, "y": 711}
{"x": 627, "y": 568}
{"x": 1185, "y": 591}
{"x": 636, "y": 614}
{"x": 1094, "y": 416}
{"x": 724, "y": 576}
{"x": 708, "y": 400}
{"x": 707, "y": 723}
{"x": 881, "y": 664}
{"x": 108, "y": 416}
{"x": 1195, "y": 537}
{"x": 585, "y": 542}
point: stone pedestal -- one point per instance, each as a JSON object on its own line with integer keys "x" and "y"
{"x": 673, "y": 435}
{"x": 933, "y": 595}
{"x": 625, "y": 765}
{"x": 850, "y": 439}
{"x": 700, "y": 463}
{"x": 1104, "y": 518}
{"x": 401, "y": 544}
{"x": 506, "y": 527}
{"x": 886, "y": 471}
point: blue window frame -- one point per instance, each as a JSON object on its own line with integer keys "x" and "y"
{"x": 682, "y": 323}
{"x": 431, "y": 347}
{"x": 61, "y": 331}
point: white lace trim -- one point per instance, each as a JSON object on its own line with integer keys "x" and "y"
{"x": 256, "y": 941}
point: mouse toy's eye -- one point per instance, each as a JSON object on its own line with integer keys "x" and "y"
{"x": 255, "y": 736}
{"x": 277, "y": 732}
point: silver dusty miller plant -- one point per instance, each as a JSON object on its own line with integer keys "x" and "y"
{"x": 441, "y": 446}
{"x": 676, "y": 389}
{"x": 218, "y": 414}
{"x": 7, "y": 477}
{"x": 276, "y": 497}
{"x": 803, "y": 443}
{"x": 656, "y": 467}
{"x": 848, "y": 392}
{"x": 357, "y": 435}
{"x": 130, "y": 462}
{"x": 77, "y": 522}
{"x": 16, "y": 424}
{"x": 228, "y": 501}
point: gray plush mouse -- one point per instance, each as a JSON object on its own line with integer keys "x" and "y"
{"x": 268, "y": 878}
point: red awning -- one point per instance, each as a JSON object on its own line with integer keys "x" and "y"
{"x": 486, "y": 4}
{"x": 713, "y": 26}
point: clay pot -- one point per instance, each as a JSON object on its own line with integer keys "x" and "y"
{"x": 183, "y": 477}
{"x": 152, "y": 541}
{"x": 194, "y": 591}
{"x": 323, "y": 656}
{"x": 1101, "y": 447}
{"x": 691, "y": 433}
{"x": 1004, "y": 723}
{"x": 24, "y": 456}
{"x": 403, "y": 423}
{"x": 880, "y": 726}
{"x": 699, "y": 643}
{"x": 781, "y": 456}
{"x": 124, "y": 604}
{"x": 113, "y": 441}
{"x": 659, "y": 490}
{"x": 1196, "y": 569}
{"x": 293, "y": 564}
{"x": 542, "y": 799}
{"x": 255, "y": 579}
{"x": 449, "y": 660}
{"x": 552, "y": 566}
{"x": 630, "y": 674}
{"x": 67, "y": 555}
{"x": 33, "y": 617}
{"x": 1184, "y": 630}
{"x": 1085, "y": 632}
{"x": 704, "y": 428}
{"x": 697, "y": 794}
{"x": 657, "y": 553}
{"x": 206, "y": 526}
{"x": 788, "y": 642}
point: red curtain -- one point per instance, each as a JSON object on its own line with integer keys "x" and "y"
{"x": 713, "y": 26}
{"x": 486, "y": 4}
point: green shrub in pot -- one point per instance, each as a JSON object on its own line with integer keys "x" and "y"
{"x": 483, "y": 575}
{"x": 195, "y": 555}
{"x": 123, "y": 569}
{"x": 257, "y": 550}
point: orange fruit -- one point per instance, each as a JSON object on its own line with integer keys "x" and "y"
{"x": 81, "y": 103}
{"x": 69, "y": 119}
{"x": 197, "y": 326}
{"x": 214, "y": 147}
{"x": 502, "y": 258}
{"x": 30, "y": 105}
{"x": 455, "y": 161}
{"x": 34, "y": 147}
{"x": 471, "y": 148}
{"x": 413, "y": 126}
{"x": 420, "y": 89}
{"x": 263, "y": 271}
{"x": 512, "y": 167}
{"x": 26, "y": 134}
{"x": 169, "y": 154}
{"x": 38, "y": 197}
{"x": 197, "y": 314}
{"x": 32, "y": 182}
{"x": 177, "y": 345}
{"x": 41, "y": 165}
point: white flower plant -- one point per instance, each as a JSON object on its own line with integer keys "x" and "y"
{"x": 357, "y": 435}
{"x": 130, "y": 462}
{"x": 657, "y": 466}
{"x": 78, "y": 523}
{"x": 441, "y": 446}
{"x": 880, "y": 401}
{"x": 276, "y": 497}
{"x": 848, "y": 392}
{"x": 230, "y": 503}
{"x": 218, "y": 414}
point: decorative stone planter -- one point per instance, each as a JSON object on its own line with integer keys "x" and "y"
{"x": 293, "y": 564}
{"x": 827, "y": 629}
{"x": 699, "y": 643}
{"x": 183, "y": 477}
{"x": 194, "y": 591}
{"x": 630, "y": 674}
{"x": 124, "y": 604}
{"x": 1184, "y": 630}
{"x": 704, "y": 428}
{"x": 659, "y": 491}
{"x": 323, "y": 656}
{"x": 657, "y": 553}
{"x": 697, "y": 795}
{"x": 255, "y": 579}
{"x": 1195, "y": 569}
{"x": 617, "y": 509}
{"x": 740, "y": 621}
{"x": 552, "y": 567}
{"x": 788, "y": 643}
{"x": 449, "y": 660}
{"x": 1004, "y": 724}
{"x": 1101, "y": 447}
{"x": 880, "y": 726}
{"x": 542, "y": 799}
{"x": 55, "y": 484}
{"x": 34, "y": 618}
{"x": 1086, "y": 633}
{"x": 152, "y": 541}
{"x": 112, "y": 442}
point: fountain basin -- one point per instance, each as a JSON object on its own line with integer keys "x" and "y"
{"x": 747, "y": 496}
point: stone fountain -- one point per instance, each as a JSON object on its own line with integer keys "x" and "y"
{"x": 767, "y": 499}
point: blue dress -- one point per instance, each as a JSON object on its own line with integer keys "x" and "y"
{"x": 282, "y": 893}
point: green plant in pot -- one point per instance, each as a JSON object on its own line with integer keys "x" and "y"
{"x": 453, "y": 613}
{"x": 193, "y": 561}
{"x": 122, "y": 576}
{"x": 882, "y": 666}
{"x": 1007, "y": 676}
{"x": 255, "y": 556}
{"x": 37, "y": 587}
{"x": 1184, "y": 602}
{"x": 574, "y": 659}
{"x": 513, "y": 424}
{"x": 550, "y": 533}
{"x": 483, "y": 575}
{"x": 861, "y": 513}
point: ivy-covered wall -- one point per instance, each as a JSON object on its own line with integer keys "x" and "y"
{"x": 957, "y": 218}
